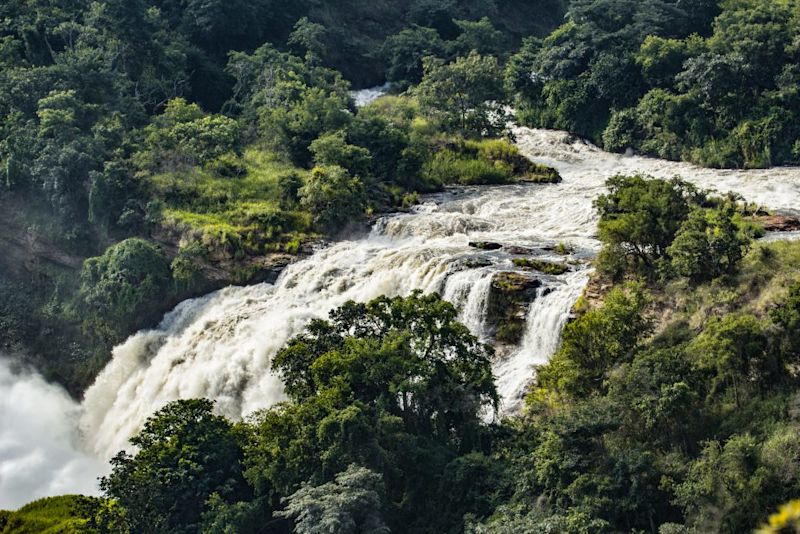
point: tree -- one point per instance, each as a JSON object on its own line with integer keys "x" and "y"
{"x": 396, "y": 385}
{"x": 351, "y": 504}
{"x": 384, "y": 140}
{"x": 431, "y": 368}
{"x": 334, "y": 197}
{"x": 185, "y": 455}
{"x": 639, "y": 217}
{"x": 185, "y": 136}
{"x": 309, "y": 38}
{"x": 405, "y": 52}
{"x": 332, "y": 149}
{"x": 709, "y": 244}
{"x": 480, "y": 36}
{"x": 465, "y": 96}
{"x": 120, "y": 289}
{"x": 786, "y": 316}
{"x": 734, "y": 352}
{"x": 289, "y": 185}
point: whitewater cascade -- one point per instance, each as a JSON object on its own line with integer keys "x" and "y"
{"x": 220, "y": 346}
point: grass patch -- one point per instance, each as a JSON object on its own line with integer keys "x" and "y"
{"x": 46, "y": 516}
{"x": 484, "y": 162}
{"x": 235, "y": 215}
{"x": 766, "y": 273}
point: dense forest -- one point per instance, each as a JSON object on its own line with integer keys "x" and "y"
{"x": 154, "y": 150}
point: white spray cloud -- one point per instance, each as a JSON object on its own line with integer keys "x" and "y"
{"x": 40, "y": 455}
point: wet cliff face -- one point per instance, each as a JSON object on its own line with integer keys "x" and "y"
{"x": 26, "y": 245}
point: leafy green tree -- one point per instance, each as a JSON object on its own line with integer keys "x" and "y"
{"x": 332, "y": 149}
{"x": 185, "y": 136}
{"x": 437, "y": 378}
{"x": 730, "y": 484}
{"x": 734, "y": 352}
{"x": 394, "y": 385}
{"x": 659, "y": 396}
{"x": 185, "y": 454}
{"x": 709, "y": 244}
{"x": 479, "y": 35}
{"x": 289, "y": 186}
{"x": 334, "y": 197}
{"x": 786, "y": 316}
{"x": 291, "y": 101}
{"x": 465, "y": 96}
{"x": 309, "y": 38}
{"x": 639, "y": 217}
{"x": 405, "y": 52}
{"x": 121, "y": 289}
{"x": 351, "y": 504}
{"x": 384, "y": 140}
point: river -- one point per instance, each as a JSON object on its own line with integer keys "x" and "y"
{"x": 220, "y": 346}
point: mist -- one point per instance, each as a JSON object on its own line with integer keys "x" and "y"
{"x": 40, "y": 450}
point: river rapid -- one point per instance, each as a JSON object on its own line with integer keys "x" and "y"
{"x": 220, "y": 346}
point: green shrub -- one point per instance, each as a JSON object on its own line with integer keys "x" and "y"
{"x": 448, "y": 167}
{"x": 228, "y": 166}
{"x": 718, "y": 153}
{"x": 185, "y": 267}
{"x": 289, "y": 185}
{"x": 333, "y": 197}
{"x": 622, "y": 131}
{"x": 120, "y": 289}
{"x": 709, "y": 244}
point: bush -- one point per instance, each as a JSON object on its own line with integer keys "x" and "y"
{"x": 121, "y": 289}
{"x": 185, "y": 136}
{"x": 640, "y": 217}
{"x": 228, "y": 166}
{"x": 333, "y": 149}
{"x": 333, "y": 197}
{"x": 709, "y": 244}
{"x": 448, "y": 167}
{"x": 622, "y": 131}
{"x": 289, "y": 185}
{"x": 186, "y": 268}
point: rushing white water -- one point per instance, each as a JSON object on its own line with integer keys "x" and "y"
{"x": 362, "y": 97}
{"x": 40, "y": 450}
{"x": 220, "y": 346}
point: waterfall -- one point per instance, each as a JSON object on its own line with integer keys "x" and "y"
{"x": 362, "y": 97}
{"x": 220, "y": 346}
{"x": 547, "y": 316}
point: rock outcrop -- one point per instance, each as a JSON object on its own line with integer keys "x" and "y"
{"x": 510, "y": 296}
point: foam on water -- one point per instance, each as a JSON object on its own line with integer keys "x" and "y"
{"x": 220, "y": 346}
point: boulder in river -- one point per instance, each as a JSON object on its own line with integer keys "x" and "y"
{"x": 518, "y": 251}
{"x": 485, "y": 245}
{"x": 510, "y": 295}
{"x": 546, "y": 267}
{"x": 778, "y": 223}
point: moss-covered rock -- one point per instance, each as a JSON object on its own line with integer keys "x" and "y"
{"x": 537, "y": 173}
{"x": 518, "y": 250}
{"x": 485, "y": 245}
{"x": 546, "y": 267}
{"x": 509, "y": 297}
